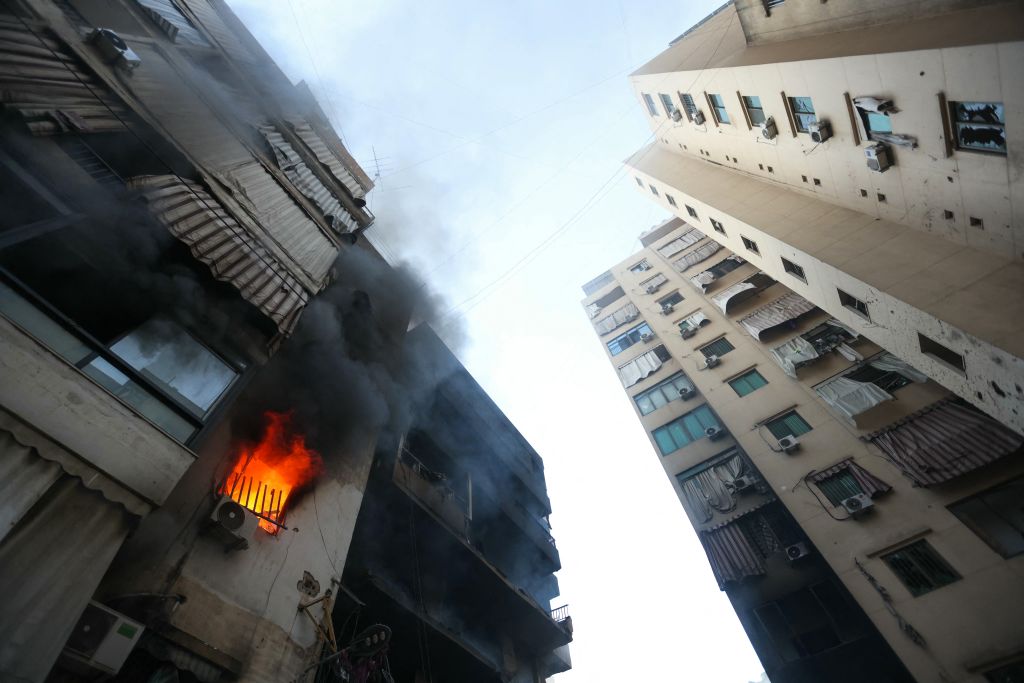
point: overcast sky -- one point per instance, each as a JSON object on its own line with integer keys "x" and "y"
{"x": 500, "y": 129}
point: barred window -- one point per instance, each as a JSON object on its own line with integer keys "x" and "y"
{"x": 790, "y": 424}
{"x": 920, "y": 568}
{"x": 719, "y": 347}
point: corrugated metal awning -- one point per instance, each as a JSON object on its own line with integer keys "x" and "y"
{"x": 943, "y": 441}
{"x": 694, "y": 257}
{"x": 172, "y": 22}
{"x": 742, "y": 290}
{"x": 224, "y": 36}
{"x": 781, "y": 310}
{"x": 289, "y": 161}
{"x": 232, "y": 254}
{"x": 670, "y": 249}
{"x": 869, "y": 483}
{"x": 323, "y": 152}
{"x": 49, "y": 88}
{"x": 620, "y": 317}
{"x": 702, "y": 280}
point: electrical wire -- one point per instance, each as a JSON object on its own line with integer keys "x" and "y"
{"x": 323, "y": 87}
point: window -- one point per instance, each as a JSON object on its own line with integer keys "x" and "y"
{"x": 839, "y": 486}
{"x": 976, "y": 222}
{"x": 790, "y": 424}
{"x": 748, "y": 382}
{"x": 996, "y": 516}
{"x": 717, "y": 226}
{"x": 1011, "y": 673}
{"x": 793, "y": 269}
{"x": 628, "y": 338}
{"x": 654, "y": 190}
{"x": 685, "y": 430}
{"x": 875, "y": 122}
{"x": 688, "y": 105}
{"x": 662, "y": 393}
{"x": 755, "y": 112}
{"x": 719, "y": 348}
{"x": 806, "y": 622}
{"x": 718, "y": 108}
{"x": 666, "y": 102}
{"x": 979, "y": 126}
{"x": 751, "y": 245}
{"x": 854, "y": 304}
{"x": 640, "y": 267}
{"x": 670, "y": 300}
{"x": 932, "y": 348}
{"x": 887, "y": 380}
{"x": 920, "y": 568}
{"x": 639, "y": 182}
{"x": 803, "y": 113}
{"x": 692, "y": 212}
{"x": 671, "y": 200}
{"x": 653, "y": 284}
{"x": 649, "y": 101}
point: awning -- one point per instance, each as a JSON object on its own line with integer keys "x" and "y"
{"x": 712, "y": 490}
{"x": 691, "y": 236}
{"x": 656, "y": 282}
{"x": 722, "y": 298}
{"x": 49, "y": 88}
{"x": 593, "y": 310}
{"x": 638, "y": 368}
{"x": 732, "y": 556}
{"x": 319, "y": 147}
{"x": 790, "y": 355}
{"x": 789, "y": 307}
{"x": 870, "y": 484}
{"x": 850, "y": 397}
{"x": 943, "y": 441}
{"x": 296, "y": 170}
{"x": 620, "y": 317}
{"x": 232, "y": 254}
{"x": 693, "y": 321}
{"x": 692, "y": 258}
{"x": 730, "y": 263}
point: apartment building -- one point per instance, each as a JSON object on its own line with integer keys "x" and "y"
{"x": 862, "y": 518}
{"x": 453, "y": 548}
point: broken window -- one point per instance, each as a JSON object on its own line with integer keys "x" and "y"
{"x": 979, "y": 126}
{"x": 803, "y": 113}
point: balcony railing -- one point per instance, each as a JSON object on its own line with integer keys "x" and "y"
{"x": 560, "y": 615}
{"x": 431, "y": 488}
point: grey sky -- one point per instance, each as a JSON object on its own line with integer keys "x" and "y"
{"x": 498, "y": 123}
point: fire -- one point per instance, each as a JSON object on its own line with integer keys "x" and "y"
{"x": 267, "y": 473}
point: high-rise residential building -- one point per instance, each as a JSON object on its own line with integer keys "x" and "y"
{"x": 824, "y": 345}
{"x": 200, "y": 366}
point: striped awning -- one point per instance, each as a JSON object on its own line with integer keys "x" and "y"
{"x": 731, "y": 554}
{"x": 870, "y": 484}
{"x": 943, "y": 441}
{"x": 326, "y": 156}
{"x": 787, "y": 308}
{"x": 232, "y": 253}
{"x": 620, "y": 317}
{"x": 691, "y": 236}
{"x": 694, "y": 257}
{"x": 51, "y": 91}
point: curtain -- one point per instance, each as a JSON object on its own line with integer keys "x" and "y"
{"x": 619, "y": 317}
{"x": 796, "y": 350}
{"x": 640, "y": 367}
{"x": 850, "y": 397}
{"x": 731, "y": 554}
{"x": 711, "y": 490}
{"x": 891, "y": 363}
{"x": 869, "y": 484}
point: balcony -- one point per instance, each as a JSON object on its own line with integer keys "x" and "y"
{"x": 432, "y": 491}
{"x": 534, "y": 528}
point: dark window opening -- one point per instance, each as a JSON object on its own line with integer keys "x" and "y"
{"x": 719, "y": 348}
{"x": 751, "y": 245}
{"x": 854, "y": 304}
{"x": 920, "y": 568}
{"x": 887, "y": 380}
{"x": 996, "y": 516}
{"x": 979, "y": 126}
{"x": 692, "y": 212}
{"x": 670, "y": 300}
{"x": 671, "y": 200}
{"x": 717, "y": 225}
{"x": 793, "y": 269}
{"x": 976, "y": 222}
{"x": 932, "y": 348}
{"x": 790, "y": 424}
{"x": 654, "y": 190}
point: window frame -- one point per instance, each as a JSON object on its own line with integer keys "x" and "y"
{"x": 649, "y": 101}
{"x": 970, "y": 520}
{"x": 955, "y": 123}
{"x": 667, "y": 104}
{"x": 718, "y": 109}
{"x": 628, "y": 335}
{"x": 673, "y": 395}
{"x": 782, "y": 420}
{"x": 749, "y": 107}
{"x": 793, "y": 269}
{"x": 691, "y": 212}
{"x": 799, "y": 123}
{"x": 721, "y": 340}
{"x": 750, "y": 245}
{"x": 744, "y": 377}
{"x": 636, "y": 267}
{"x": 717, "y": 226}
{"x": 654, "y": 190}
{"x": 689, "y": 106}
{"x": 663, "y": 301}
{"x": 671, "y": 200}
{"x": 682, "y": 428}
{"x": 924, "y": 552}
{"x": 852, "y": 303}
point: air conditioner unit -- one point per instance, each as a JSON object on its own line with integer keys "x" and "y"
{"x": 878, "y": 157}
{"x": 651, "y": 289}
{"x": 689, "y": 332}
{"x": 102, "y": 638}
{"x": 233, "y": 523}
{"x": 797, "y": 551}
{"x": 788, "y": 444}
{"x": 712, "y": 361}
{"x": 698, "y": 117}
{"x": 677, "y": 115}
{"x": 857, "y": 505}
{"x": 646, "y": 337}
{"x": 742, "y": 484}
{"x": 686, "y": 393}
{"x": 714, "y": 433}
{"x": 769, "y": 131}
{"x": 820, "y": 131}
{"x": 113, "y": 48}
{"x": 667, "y": 308}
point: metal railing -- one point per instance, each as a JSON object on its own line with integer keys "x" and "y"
{"x": 560, "y": 614}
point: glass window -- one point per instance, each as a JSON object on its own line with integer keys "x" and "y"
{"x": 803, "y": 113}
{"x": 718, "y": 106}
{"x": 662, "y": 393}
{"x": 996, "y": 516}
{"x": 920, "y": 568}
{"x": 671, "y": 200}
{"x": 877, "y": 123}
{"x": 649, "y": 101}
{"x": 719, "y": 348}
{"x": 666, "y": 103}
{"x": 754, "y": 110}
{"x": 688, "y": 105}
{"x": 628, "y": 338}
{"x": 640, "y": 267}
{"x": 839, "y": 487}
{"x": 748, "y": 382}
{"x": 790, "y": 424}
{"x": 717, "y": 226}
{"x": 979, "y": 126}
{"x": 171, "y": 358}
{"x": 670, "y": 300}
{"x": 684, "y": 430}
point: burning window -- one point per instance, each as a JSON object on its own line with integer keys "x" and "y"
{"x": 268, "y": 473}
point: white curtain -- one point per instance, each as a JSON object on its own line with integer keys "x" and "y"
{"x": 638, "y": 368}
{"x": 891, "y": 363}
{"x": 850, "y": 397}
{"x": 796, "y": 350}
{"x": 619, "y": 317}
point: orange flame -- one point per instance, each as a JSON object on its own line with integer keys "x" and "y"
{"x": 267, "y": 473}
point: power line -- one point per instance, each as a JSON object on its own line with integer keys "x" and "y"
{"x": 327, "y": 94}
